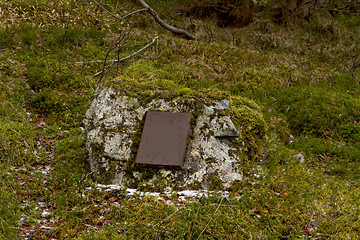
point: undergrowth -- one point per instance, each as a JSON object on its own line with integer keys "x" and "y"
{"x": 302, "y": 75}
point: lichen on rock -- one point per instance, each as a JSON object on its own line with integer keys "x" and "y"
{"x": 114, "y": 124}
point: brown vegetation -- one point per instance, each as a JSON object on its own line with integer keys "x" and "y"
{"x": 236, "y": 13}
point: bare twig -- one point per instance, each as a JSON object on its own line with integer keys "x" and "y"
{"x": 169, "y": 216}
{"x": 139, "y": 51}
{"x": 26, "y": 144}
{"x": 124, "y": 58}
{"x": 293, "y": 11}
{"x": 87, "y": 83}
{"x": 118, "y": 51}
{"x": 211, "y": 217}
{"x": 157, "y": 48}
{"x": 107, "y": 69}
{"x": 66, "y": 29}
{"x": 208, "y": 31}
{"x": 172, "y": 29}
{"x": 127, "y": 15}
{"x": 116, "y": 43}
{"x": 115, "y": 16}
{"x": 157, "y": 18}
{"x": 103, "y": 8}
{"x": 104, "y": 64}
{"x": 121, "y": 59}
{"x": 95, "y": 61}
{"x": 10, "y": 36}
{"x": 82, "y": 180}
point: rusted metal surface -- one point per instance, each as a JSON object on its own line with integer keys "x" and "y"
{"x": 164, "y": 139}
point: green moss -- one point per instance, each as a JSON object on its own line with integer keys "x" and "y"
{"x": 210, "y": 160}
{"x": 47, "y": 101}
{"x": 157, "y": 185}
{"x": 224, "y": 113}
{"x": 28, "y": 34}
{"x": 252, "y": 127}
{"x": 330, "y": 152}
{"x": 97, "y": 147}
{"x": 141, "y": 70}
{"x": 236, "y": 186}
{"x": 17, "y": 143}
{"x": 308, "y": 111}
{"x": 165, "y": 89}
{"x": 148, "y": 173}
{"x": 280, "y": 155}
{"x": 213, "y": 181}
{"x": 184, "y": 92}
{"x": 10, "y": 206}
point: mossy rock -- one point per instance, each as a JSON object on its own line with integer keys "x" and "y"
{"x": 222, "y": 133}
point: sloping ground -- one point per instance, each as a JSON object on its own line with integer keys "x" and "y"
{"x": 302, "y": 76}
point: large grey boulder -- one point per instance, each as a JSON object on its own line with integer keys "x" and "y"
{"x": 114, "y": 124}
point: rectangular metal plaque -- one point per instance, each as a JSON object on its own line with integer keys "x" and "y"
{"x": 164, "y": 139}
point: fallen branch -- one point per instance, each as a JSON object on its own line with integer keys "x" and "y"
{"x": 173, "y": 29}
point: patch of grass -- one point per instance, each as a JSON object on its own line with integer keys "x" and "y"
{"x": 17, "y": 135}
{"x": 9, "y": 207}
{"x": 45, "y": 71}
{"x": 316, "y": 110}
{"x": 284, "y": 204}
{"x": 336, "y": 158}
{"x": 16, "y": 143}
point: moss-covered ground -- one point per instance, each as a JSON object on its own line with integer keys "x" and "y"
{"x": 303, "y": 76}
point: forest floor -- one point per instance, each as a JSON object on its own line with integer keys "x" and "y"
{"x": 301, "y": 181}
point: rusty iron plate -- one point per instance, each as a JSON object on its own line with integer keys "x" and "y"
{"x": 164, "y": 139}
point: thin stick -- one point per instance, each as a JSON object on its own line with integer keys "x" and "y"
{"x": 104, "y": 64}
{"x": 125, "y": 58}
{"x": 87, "y": 82}
{"x": 117, "y": 17}
{"x": 154, "y": 14}
{"x": 162, "y": 23}
{"x": 127, "y": 15}
{"x": 211, "y": 217}
{"x": 169, "y": 216}
{"x": 121, "y": 59}
{"x": 66, "y": 29}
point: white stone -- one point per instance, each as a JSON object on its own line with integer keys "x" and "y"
{"x": 300, "y": 157}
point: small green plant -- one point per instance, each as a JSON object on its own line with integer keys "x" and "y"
{"x": 9, "y": 207}
{"x": 47, "y": 101}
{"x": 16, "y": 143}
{"x": 349, "y": 132}
{"x": 184, "y": 92}
{"x": 28, "y": 34}
{"x": 17, "y": 136}
{"x": 316, "y": 110}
